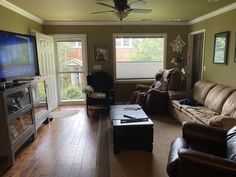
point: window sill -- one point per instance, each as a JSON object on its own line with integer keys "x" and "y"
{"x": 134, "y": 80}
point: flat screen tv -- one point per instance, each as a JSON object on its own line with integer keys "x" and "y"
{"x": 18, "y": 56}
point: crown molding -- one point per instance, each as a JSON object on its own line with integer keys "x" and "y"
{"x": 214, "y": 13}
{"x": 68, "y": 23}
{"x": 20, "y": 11}
{"x": 26, "y": 14}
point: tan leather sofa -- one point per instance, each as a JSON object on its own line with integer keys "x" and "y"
{"x": 217, "y": 105}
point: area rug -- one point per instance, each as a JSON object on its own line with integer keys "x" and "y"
{"x": 63, "y": 113}
{"x": 136, "y": 163}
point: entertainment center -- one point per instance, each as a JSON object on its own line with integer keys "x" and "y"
{"x": 23, "y": 101}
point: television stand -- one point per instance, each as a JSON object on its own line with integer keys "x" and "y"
{"x": 23, "y": 109}
{"x": 17, "y": 120}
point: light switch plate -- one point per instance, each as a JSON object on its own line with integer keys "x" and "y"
{"x": 97, "y": 67}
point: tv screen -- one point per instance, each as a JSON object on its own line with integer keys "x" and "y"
{"x": 18, "y": 56}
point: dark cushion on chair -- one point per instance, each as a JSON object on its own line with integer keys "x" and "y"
{"x": 103, "y": 92}
{"x": 101, "y": 81}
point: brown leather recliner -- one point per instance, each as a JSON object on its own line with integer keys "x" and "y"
{"x": 156, "y": 100}
{"x": 203, "y": 152}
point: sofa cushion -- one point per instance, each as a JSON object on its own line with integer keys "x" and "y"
{"x": 198, "y": 113}
{"x": 201, "y": 89}
{"x": 229, "y": 107}
{"x": 217, "y": 97}
{"x": 176, "y": 105}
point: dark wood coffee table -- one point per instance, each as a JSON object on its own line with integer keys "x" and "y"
{"x": 131, "y": 135}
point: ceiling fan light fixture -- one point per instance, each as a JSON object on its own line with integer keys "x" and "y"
{"x": 121, "y": 14}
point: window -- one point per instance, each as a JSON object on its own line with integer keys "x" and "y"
{"x": 124, "y": 43}
{"x": 138, "y": 56}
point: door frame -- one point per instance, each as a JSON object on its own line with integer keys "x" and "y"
{"x": 190, "y": 53}
{"x": 71, "y": 37}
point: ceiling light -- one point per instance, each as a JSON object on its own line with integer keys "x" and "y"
{"x": 121, "y": 14}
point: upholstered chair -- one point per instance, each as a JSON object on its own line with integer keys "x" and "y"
{"x": 154, "y": 100}
{"x": 203, "y": 152}
{"x": 157, "y": 100}
{"x": 101, "y": 90}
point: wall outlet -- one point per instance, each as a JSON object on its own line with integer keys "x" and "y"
{"x": 204, "y": 68}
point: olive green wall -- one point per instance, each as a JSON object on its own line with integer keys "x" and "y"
{"x": 11, "y": 21}
{"x": 103, "y": 35}
{"x": 219, "y": 73}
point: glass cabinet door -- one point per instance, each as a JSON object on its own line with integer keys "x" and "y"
{"x": 17, "y": 101}
{"x": 38, "y": 89}
{"x": 40, "y": 109}
{"x": 20, "y": 124}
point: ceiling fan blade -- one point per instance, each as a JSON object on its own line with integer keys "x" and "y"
{"x": 104, "y": 4}
{"x": 140, "y": 10}
{"x": 102, "y": 11}
{"x": 137, "y": 3}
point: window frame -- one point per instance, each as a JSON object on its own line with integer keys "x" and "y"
{"x": 70, "y": 38}
{"x": 115, "y": 35}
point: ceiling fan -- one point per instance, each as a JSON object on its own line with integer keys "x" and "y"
{"x": 121, "y": 8}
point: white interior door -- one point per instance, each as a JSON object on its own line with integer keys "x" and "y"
{"x": 45, "y": 48}
{"x": 196, "y": 55}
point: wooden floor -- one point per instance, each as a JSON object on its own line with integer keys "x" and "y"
{"x": 65, "y": 147}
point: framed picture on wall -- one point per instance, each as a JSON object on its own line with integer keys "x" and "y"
{"x": 221, "y": 47}
{"x": 100, "y": 52}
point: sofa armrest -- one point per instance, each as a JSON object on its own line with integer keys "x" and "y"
{"x": 193, "y": 163}
{"x": 173, "y": 159}
{"x": 88, "y": 90}
{"x": 224, "y": 122}
{"x": 142, "y": 87}
{"x": 177, "y": 95}
{"x": 200, "y": 134}
{"x": 228, "y": 123}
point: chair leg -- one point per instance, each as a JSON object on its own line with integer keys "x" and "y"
{"x": 87, "y": 109}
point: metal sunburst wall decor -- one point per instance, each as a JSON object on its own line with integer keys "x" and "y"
{"x": 177, "y": 44}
